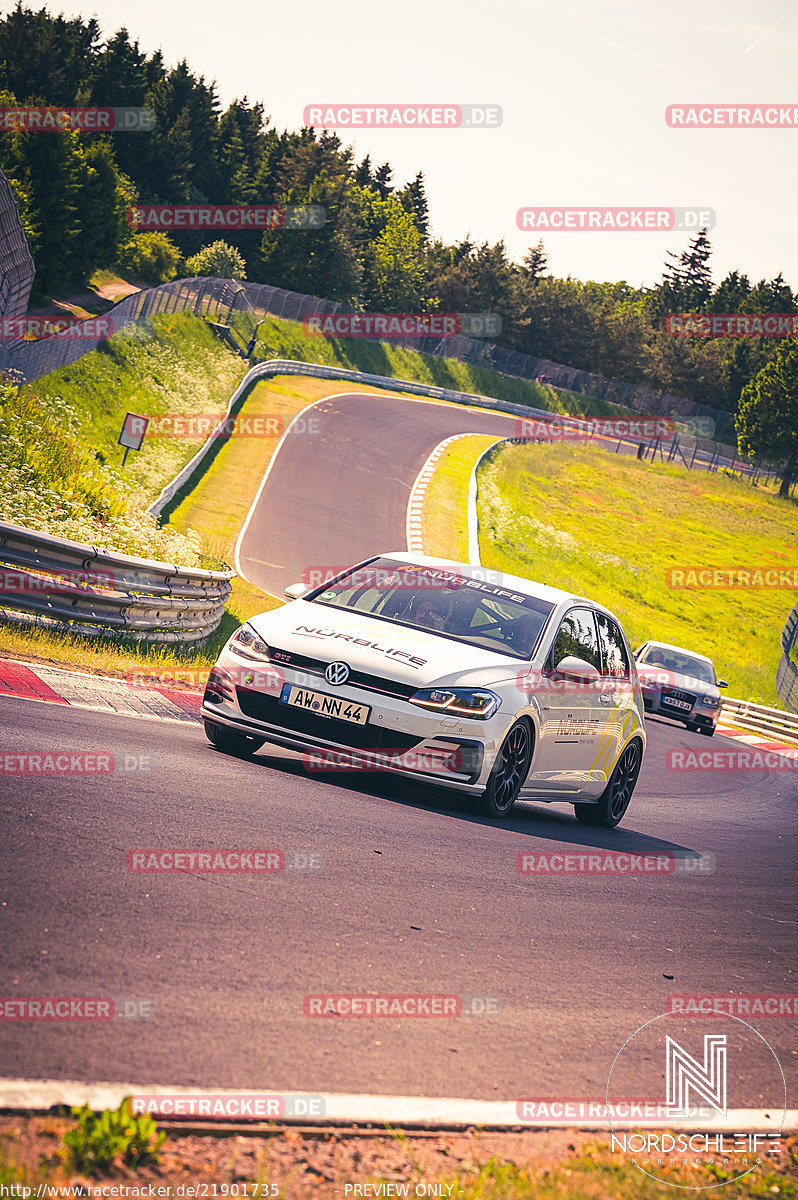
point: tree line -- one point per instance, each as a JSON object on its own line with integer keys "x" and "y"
{"x": 376, "y": 251}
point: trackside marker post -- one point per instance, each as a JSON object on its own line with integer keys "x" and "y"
{"x": 132, "y": 435}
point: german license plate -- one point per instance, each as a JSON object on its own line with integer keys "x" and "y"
{"x": 674, "y": 703}
{"x": 323, "y": 705}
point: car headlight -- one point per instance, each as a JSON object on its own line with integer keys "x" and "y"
{"x": 462, "y": 702}
{"x": 247, "y": 643}
{"x": 709, "y": 701}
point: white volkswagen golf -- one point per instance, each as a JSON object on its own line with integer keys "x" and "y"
{"x": 465, "y": 678}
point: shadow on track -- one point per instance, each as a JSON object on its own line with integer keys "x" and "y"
{"x": 528, "y": 819}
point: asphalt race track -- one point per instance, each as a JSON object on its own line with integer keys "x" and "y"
{"x": 410, "y": 891}
{"x": 338, "y": 498}
{"x": 415, "y": 895}
{"x": 335, "y": 499}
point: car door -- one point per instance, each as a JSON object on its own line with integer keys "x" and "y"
{"x": 572, "y": 715}
{"x": 615, "y": 695}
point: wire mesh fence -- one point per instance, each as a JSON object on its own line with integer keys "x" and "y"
{"x": 237, "y": 305}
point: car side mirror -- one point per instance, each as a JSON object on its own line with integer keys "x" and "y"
{"x": 295, "y": 591}
{"x": 722, "y": 683}
{"x": 571, "y": 667}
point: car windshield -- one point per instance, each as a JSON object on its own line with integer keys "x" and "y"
{"x": 679, "y": 663}
{"x": 441, "y": 600}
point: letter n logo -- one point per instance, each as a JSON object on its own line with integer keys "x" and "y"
{"x": 683, "y": 1073}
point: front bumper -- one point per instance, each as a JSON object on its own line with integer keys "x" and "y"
{"x": 698, "y": 713}
{"x": 398, "y": 737}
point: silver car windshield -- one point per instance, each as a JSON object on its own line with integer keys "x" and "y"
{"x": 442, "y": 601}
{"x": 680, "y": 664}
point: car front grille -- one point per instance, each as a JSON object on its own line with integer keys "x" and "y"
{"x": 297, "y": 720}
{"x": 687, "y": 697}
{"x": 374, "y": 683}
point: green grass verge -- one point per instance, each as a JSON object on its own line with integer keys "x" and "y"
{"x": 597, "y": 1174}
{"x": 444, "y": 513}
{"x": 611, "y": 527}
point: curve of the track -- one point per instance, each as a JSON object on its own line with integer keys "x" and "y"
{"x": 336, "y": 498}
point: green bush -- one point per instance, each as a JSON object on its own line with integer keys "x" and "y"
{"x": 101, "y": 1140}
{"x": 152, "y": 257}
{"x": 218, "y": 259}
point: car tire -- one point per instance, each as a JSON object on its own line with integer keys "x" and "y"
{"x": 708, "y": 730}
{"x": 509, "y": 771}
{"x": 230, "y": 741}
{"x": 693, "y": 726}
{"x": 614, "y": 800}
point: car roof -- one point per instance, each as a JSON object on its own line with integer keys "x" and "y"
{"x": 487, "y": 574}
{"x": 679, "y": 650}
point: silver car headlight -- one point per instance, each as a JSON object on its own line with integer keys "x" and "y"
{"x": 462, "y": 702}
{"x": 247, "y": 643}
{"x": 709, "y": 701}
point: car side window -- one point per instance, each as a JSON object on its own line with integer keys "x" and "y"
{"x": 616, "y": 659}
{"x": 577, "y": 636}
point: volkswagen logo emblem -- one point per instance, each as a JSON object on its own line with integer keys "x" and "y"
{"x": 337, "y": 673}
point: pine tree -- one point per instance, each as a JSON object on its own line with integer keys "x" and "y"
{"x": 536, "y": 260}
{"x": 382, "y": 180}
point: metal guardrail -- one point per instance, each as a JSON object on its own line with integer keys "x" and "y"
{"x": 49, "y": 579}
{"x": 286, "y": 366}
{"x": 787, "y": 674}
{"x": 760, "y": 719}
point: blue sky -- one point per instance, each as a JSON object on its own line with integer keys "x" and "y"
{"x": 583, "y": 88}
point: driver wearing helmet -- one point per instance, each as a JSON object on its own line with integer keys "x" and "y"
{"x": 430, "y": 611}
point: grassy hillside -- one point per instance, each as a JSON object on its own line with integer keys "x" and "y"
{"x": 612, "y": 527}
{"x": 287, "y": 339}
